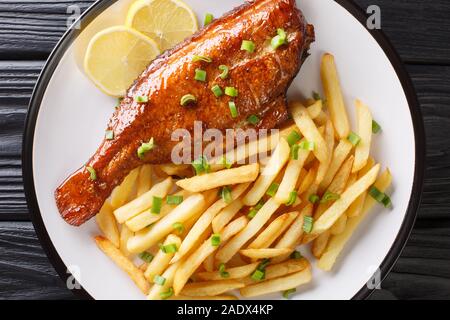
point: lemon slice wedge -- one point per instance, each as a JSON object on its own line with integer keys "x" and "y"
{"x": 168, "y": 22}
{"x": 116, "y": 56}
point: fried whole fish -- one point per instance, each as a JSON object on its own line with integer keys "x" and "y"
{"x": 261, "y": 78}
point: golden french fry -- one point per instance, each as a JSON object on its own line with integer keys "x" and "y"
{"x": 309, "y": 130}
{"x": 277, "y": 161}
{"x": 143, "y": 202}
{"x": 144, "y": 180}
{"x": 208, "y": 264}
{"x": 337, "y": 243}
{"x": 148, "y": 237}
{"x": 161, "y": 260}
{"x": 362, "y": 150}
{"x": 226, "y": 177}
{"x": 157, "y": 290}
{"x": 319, "y": 244}
{"x": 278, "y": 285}
{"x": 333, "y": 93}
{"x": 329, "y": 140}
{"x": 107, "y": 224}
{"x": 232, "y": 247}
{"x": 315, "y": 109}
{"x": 123, "y": 263}
{"x": 220, "y": 297}
{"x": 233, "y": 273}
{"x": 321, "y": 119}
{"x": 272, "y": 232}
{"x": 210, "y": 288}
{"x": 265, "y": 253}
{"x": 308, "y": 181}
{"x": 225, "y": 216}
{"x": 180, "y": 170}
{"x": 339, "y": 226}
{"x": 120, "y": 194}
{"x": 125, "y": 235}
{"x": 357, "y": 206}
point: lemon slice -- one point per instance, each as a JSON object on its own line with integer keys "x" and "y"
{"x": 116, "y": 56}
{"x": 168, "y": 22}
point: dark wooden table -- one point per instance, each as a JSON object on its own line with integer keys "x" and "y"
{"x": 419, "y": 30}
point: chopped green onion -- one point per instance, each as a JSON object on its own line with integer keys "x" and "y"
{"x": 208, "y": 19}
{"x": 145, "y": 147}
{"x": 380, "y": 197}
{"x": 201, "y": 165}
{"x": 225, "y": 162}
{"x": 376, "y": 128}
{"x": 272, "y": 189}
{"x": 146, "y": 256}
{"x": 313, "y": 198}
{"x": 294, "y": 151}
{"x": 293, "y": 138}
{"x": 296, "y": 255}
{"x": 307, "y": 145}
{"x": 253, "y": 119}
{"x": 174, "y": 200}
{"x": 262, "y": 266}
{"x": 223, "y": 273}
{"x": 217, "y": 90}
{"x": 156, "y": 205}
{"x": 231, "y": 92}
{"x": 316, "y": 96}
{"x": 354, "y": 139}
{"x": 252, "y": 213}
{"x": 248, "y": 46}
{"x": 159, "y": 280}
{"x": 225, "y": 193}
{"x": 225, "y": 70}
{"x": 233, "y": 109}
{"x": 169, "y": 248}
{"x": 141, "y": 99}
{"x": 292, "y": 198}
{"x": 188, "y": 99}
{"x": 200, "y": 75}
{"x": 277, "y": 42}
{"x": 308, "y": 223}
{"x": 179, "y": 227}
{"x": 167, "y": 294}
{"x": 258, "y": 275}
{"x": 282, "y": 33}
{"x": 109, "y": 135}
{"x": 215, "y": 240}
{"x": 197, "y": 58}
{"x": 287, "y": 293}
{"x": 329, "y": 196}
{"x": 93, "y": 174}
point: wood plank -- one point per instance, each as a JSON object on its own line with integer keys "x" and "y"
{"x": 418, "y": 29}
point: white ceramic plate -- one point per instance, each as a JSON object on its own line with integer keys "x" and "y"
{"x": 68, "y": 115}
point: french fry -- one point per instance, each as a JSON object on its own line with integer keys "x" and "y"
{"x": 125, "y": 235}
{"x": 278, "y": 285}
{"x": 340, "y": 206}
{"x": 107, "y": 224}
{"x": 208, "y": 264}
{"x": 233, "y": 273}
{"x": 337, "y": 243}
{"x": 144, "y": 180}
{"x": 225, "y": 216}
{"x": 333, "y": 93}
{"x": 220, "y": 297}
{"x": 123, "y": 263}
{"x": 226, "y": 177}
{"x": 321, "y": 119}
{"x": 265, "y": 253}
{"x": 148, "y": 237}
{"x": 276, "y": 163}
{"x": 143, "y": 202}
{"x": 315, "y": 109}
{"x": 309, "y": 131}
{"x": 339, "y": 226}
{"x": 169, "y": 275}
{"x": 232, "y": 247}
{"x": 329, "y": 140}
{"x": 180, "y": 170}
{"x": 356, "y": 207}
{"x": 161, "y": 260}
{"x": 210, "y": 288}
{"x": 271, "y": 233}
{"x": 339, "y": 155}
{"x": 121, "y": 193}
{"x": 362, "y": 150}
{"x": 308, "y": 181}
{"x": 320, "y": 243}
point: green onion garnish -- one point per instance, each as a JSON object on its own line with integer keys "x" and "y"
{"x": 167, "y": 294}
{"x": 208, "y": 19}
{"x": 288, "y": 292}
{"x": 225, "y": 193}
{"x": 376, "y": 128}
{"x": 109, "y": 135}
{"x": 294, "y": 151}
{"x": 145, "y": 147}
{"x": 201, "y": 165}
{"x": 380, "y": 197}
{"x": 159, "y": 280}
{"x": 293, "y": 138}
{"x": 316, "y": 96}
{"x": 169, "y": 248}
{"x": 248, "y": 46}
{"x": 307, "y": 145}
{"x": 233, "y": 109}
{"x": 156, "y": 205}
{"x": 200, "y": 75}
{"x": 215, "y": 240}
{"x": 258, "y": 275}
{"x": 272, "y": 189}
{"x": 292, "y": 198}
{"x": 93, "y": 174}
{"x": 313, "y": 198}
{"x": 223, "y": 273}
{"x": 329, "y": 196}
{"x": 354, "y": 139}
{"x": 179, "y": 227}
{"x": 174, "y": 200}
{"x": 141, "y": 99}
{"x": 225, "y": 70}
{"x": 231, "y": 92}
{"x": 146, "y": 256}
{"x": 308, "y": 223}
{"x": 296, "y": 255}
{"x": 253, "y": 119}
{"x": 262, "y": 266}
{"x": 280, "y": 39}
{"x": 188, "y": 99}
{"x": 217, "y": 90}
{"x": 226, "y": 163}
{"x": 252, "y": 213}
{"x": 197, "y": 58}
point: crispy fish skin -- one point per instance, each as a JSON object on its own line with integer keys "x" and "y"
{"x": 262, "y": 79}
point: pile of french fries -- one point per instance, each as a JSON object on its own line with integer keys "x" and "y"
{"x": 239, "y": 227}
